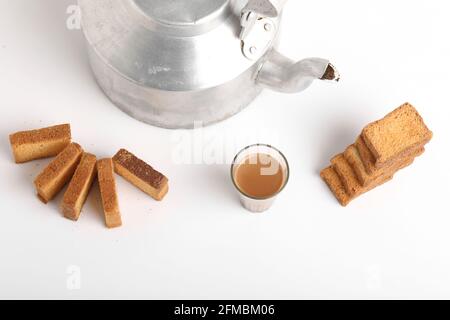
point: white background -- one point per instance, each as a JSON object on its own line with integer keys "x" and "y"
{"x": 199, "y": 243}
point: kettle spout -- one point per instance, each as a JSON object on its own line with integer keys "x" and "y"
{"x": 282, "y": 74}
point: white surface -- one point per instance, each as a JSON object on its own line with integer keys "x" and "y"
{"x": 199, "y": 242}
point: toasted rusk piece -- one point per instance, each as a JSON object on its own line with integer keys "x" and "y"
{"x": 140, "y": 174}
{"x": 350, "y": 181}
{"x": 366, "y": 156}
{"x": 353, "y": 157}
{"x": 108, "y": 193}
{"x": 369, "y": 161}
{"x": 396, "y": 135}
{"x": 333, "y": 181}
{"x": 79, "y": 187}
{"x": 53, "y": 178}
{"x": 41, "y": 143}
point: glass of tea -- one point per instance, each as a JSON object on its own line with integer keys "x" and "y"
{"x": 259, "y": 172}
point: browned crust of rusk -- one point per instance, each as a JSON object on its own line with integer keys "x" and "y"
{"x": 140, "y": 169}
{"x": 41, "y": 135}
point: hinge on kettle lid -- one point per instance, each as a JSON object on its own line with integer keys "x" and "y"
{"x": 259, "y": 26}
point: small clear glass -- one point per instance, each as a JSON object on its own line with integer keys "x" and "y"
{"x": 249, "y": 202}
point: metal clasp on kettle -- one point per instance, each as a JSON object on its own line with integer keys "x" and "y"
{"x": 259, "y": 28}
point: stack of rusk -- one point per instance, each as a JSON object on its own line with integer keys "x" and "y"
{"x": 383, "y": 148}
{"x": 77, "y": 168}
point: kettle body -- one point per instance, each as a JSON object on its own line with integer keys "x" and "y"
{"x": 177, "y": 63}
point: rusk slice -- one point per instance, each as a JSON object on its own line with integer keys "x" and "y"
{"x": 397, "y": 134}
{"x": 349, "y": 179}
{"x": 369, "y": 161}
{"x": 353, "y": 157}
{"x": 366, "y": 156}
{"x": 53, "y": 178}
{"x": 331, "y": 178}
{"x": 79, "y": 187}
{"x": 41, "y": 143}
{"x": 140, "y": 174}
{"x": 108, "y": 193}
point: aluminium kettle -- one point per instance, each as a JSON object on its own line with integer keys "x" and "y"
{"x": 176, "y": 63}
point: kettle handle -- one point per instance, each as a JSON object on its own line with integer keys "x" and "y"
{"x": 282, "y": 74}
{"x": 259, "y": 26}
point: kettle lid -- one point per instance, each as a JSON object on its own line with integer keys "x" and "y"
{"x": 182, "y": 12}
